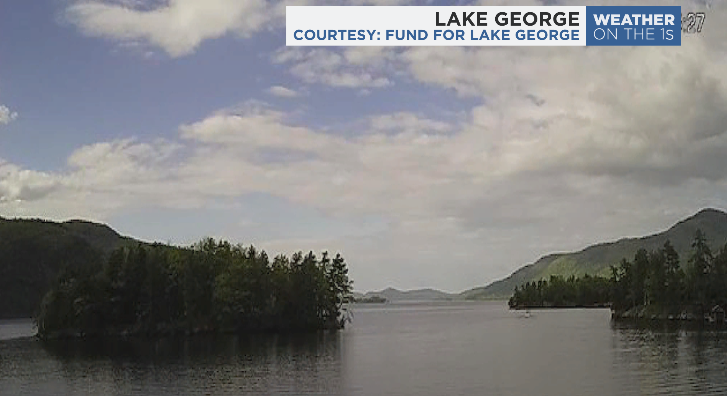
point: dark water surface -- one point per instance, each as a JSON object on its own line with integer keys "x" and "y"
{"x": 409, "y": 349}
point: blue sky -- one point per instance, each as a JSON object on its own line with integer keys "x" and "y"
{"x": 426, "y": 167}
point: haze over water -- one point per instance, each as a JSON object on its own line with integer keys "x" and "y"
{"x": 407, "y": 349}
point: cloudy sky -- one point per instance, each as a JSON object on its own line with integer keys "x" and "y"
{"x": 426, "y": 167}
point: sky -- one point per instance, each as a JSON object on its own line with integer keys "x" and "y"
{"x": 443, "y": 167}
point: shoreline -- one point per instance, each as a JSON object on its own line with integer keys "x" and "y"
{"x": 126, "y": 335}
{"x": 688, "y": 313}
{"x": 540, "y": 307}
{"x": 683, "y": 313}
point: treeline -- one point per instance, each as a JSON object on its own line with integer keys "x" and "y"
{"x": 655, "y": 279}
{"x": 587, "y": 291}
{"x": 658, "y": 278}
{"x": 212, "y": 286}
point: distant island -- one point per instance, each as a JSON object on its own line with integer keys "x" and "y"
{"x": 394, "y": 295}
{"x": 653, "y": 286}
{"x": 370, "y": 300}
{"x": 211, "y": 287}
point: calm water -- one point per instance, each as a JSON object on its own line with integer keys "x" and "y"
{"x": 435, "y": 349}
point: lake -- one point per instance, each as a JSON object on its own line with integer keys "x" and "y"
{"x": 394, "y": 349}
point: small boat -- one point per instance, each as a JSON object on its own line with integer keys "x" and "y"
{"x": 527, "y": 313}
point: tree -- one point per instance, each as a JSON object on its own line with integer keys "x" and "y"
{"x": 700, "y": 267}
{"x": 673, "y": 276}
{"x": 340, "y": 287}
{"x": 640, "y": 274}
{"x": 656, "y": 278}
{"x": 718, "y": 280}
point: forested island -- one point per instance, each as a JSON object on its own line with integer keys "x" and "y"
{"x": 557, "y": 292}
{"x": 653, "y": 285}
{"x": 214, "y": 286}
{"x": 370, "y": 300}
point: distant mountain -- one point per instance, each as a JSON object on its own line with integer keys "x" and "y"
{"x": 33, "y": 251}
{"x": 394, "y": 295}
{"x": 596, "y": 259}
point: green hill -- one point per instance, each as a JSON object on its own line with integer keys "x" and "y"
{"x": 596, "y": 259}
{"x": 32, "y": 252}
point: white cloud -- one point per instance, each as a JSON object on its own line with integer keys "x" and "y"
{"x": 408, "y": 122}
{"x": 252, "y": 127}
{"x": 122, "y": 166}
{"x": 351, "y": 68}
{"x": 6, "y": 115}
{"x": 180, "y": 26}
{"x": 381, "y": 2}
{"x": 570, "y": 146}
{"x": 176, "y": 26}
{"x": 470, "y": 194}
{"x": 282, "y": 92}
{"x": 662, "y": 117}
{"x": 100, "y": 179}
{"x": 20, "y": 185}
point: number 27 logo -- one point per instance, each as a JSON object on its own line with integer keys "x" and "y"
{"x": 692, "y": 22}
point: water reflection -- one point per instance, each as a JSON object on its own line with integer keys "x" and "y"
{"x": 465, "y": 349}
{"x": 220, "y": 365}
{"x": 671, "y": 358}
{"x": 198, "y": 349}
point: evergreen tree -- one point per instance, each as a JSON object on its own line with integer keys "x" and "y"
{"x": 700, "y": 267}
{"x": 673, "y": 277}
